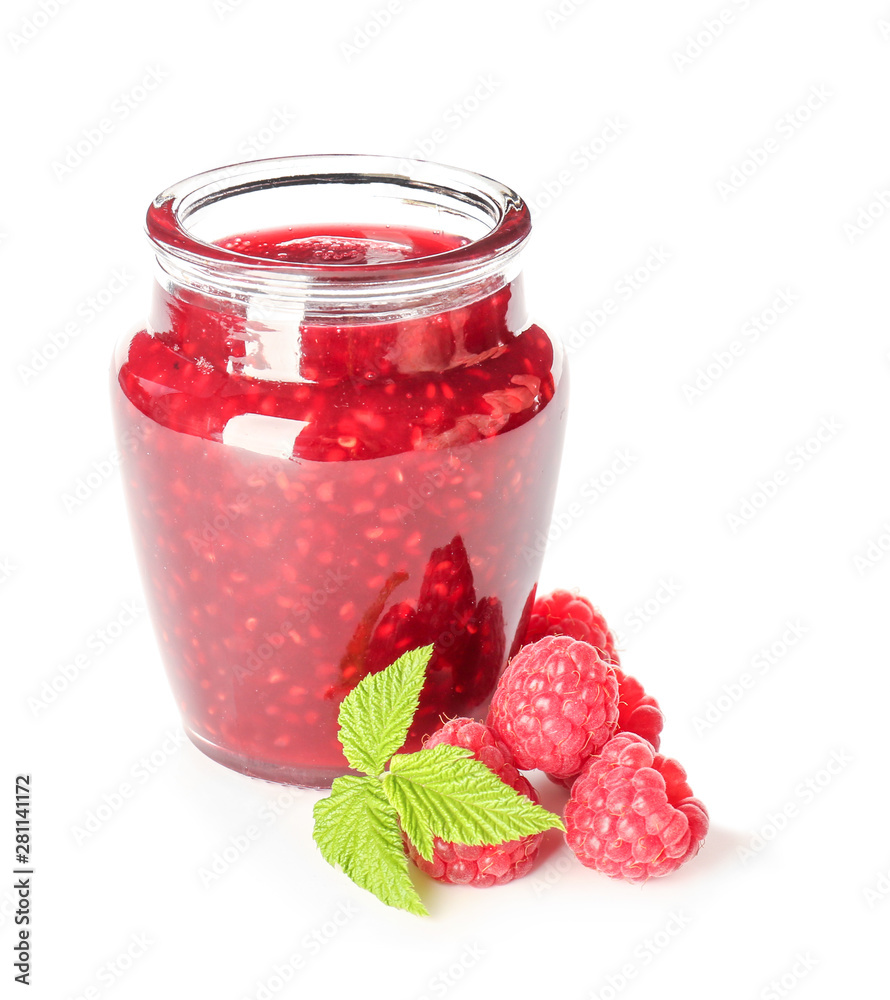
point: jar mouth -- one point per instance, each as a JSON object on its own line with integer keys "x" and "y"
{"x": 185, "y": 221}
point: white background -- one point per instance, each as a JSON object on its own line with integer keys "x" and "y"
{"x": 691, "y": 174}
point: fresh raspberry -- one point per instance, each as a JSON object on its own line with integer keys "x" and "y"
{"x": 638, "y": 712}
{"x": 493, "y": 864}
{"x": 631, "y": 814}
{"x": 565, "y": 613}
{"x": 555, "y": 705}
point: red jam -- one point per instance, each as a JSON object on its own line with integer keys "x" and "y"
{"x": 342, "y": 244}
{"x": 299, "y": 529}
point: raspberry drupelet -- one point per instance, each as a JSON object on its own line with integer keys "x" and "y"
{"x": 638, "y": 712}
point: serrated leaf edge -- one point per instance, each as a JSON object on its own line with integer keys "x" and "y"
{"x": 536, "y": 819}
{"x": 360, "y": 704}
{"x": 405, "y": 895}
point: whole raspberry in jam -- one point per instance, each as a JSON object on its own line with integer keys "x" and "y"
{"x": 632, "y": 814}
{"x": 555, "y": 705}
{"x": 469, "y": 637}
{"x": 494, "y": 864}
{"x": 565, "y": 613}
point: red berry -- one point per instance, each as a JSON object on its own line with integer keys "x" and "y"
{"x": 469, "y": 637}
{"x": 631, "y": 814}
{"x": 565, "y": 613}
{"x": 555, "y": 705}
{"x": 493, "y": 864}
{"x": 638, "y": 712}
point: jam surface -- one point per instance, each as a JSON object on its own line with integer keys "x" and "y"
{"x": 305, "y": 514}
{"x": 337, "y": 244}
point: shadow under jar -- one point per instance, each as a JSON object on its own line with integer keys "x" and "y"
{"x": 340, "y": 437}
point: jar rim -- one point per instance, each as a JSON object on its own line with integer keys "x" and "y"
{"x": 169, "y": 213}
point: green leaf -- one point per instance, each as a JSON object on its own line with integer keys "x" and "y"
{"x": 357, "y": 829}
{"x": 442, "y": 792}
{"x": 375, "y": 716}
{"x": 412, "y": 803}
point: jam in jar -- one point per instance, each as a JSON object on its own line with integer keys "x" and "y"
{"x": 341, "y": 435}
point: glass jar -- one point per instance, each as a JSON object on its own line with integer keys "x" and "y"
{"x": 340, "y": 437}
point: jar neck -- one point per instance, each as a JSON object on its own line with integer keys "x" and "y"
{"x": 310, "y": 318}
{"x": 296, "y": 338}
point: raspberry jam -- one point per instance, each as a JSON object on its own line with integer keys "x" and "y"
{"x": 340, "y": 441}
